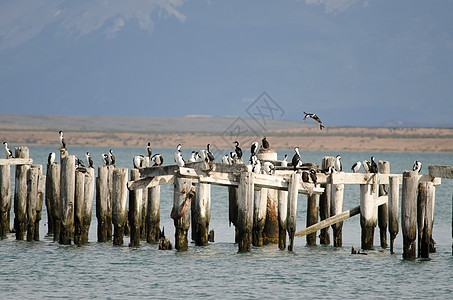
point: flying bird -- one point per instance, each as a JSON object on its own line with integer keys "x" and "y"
{"x": 315, "y": 118}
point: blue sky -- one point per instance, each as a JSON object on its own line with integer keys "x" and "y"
{"x": 353, "y": 62}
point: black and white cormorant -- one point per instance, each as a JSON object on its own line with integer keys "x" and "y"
{"x": 193, "y": 157}
{"x": 179, "y": 160}
{"x": 316, "y": 118}
{"x": 226, "y": 159}
{"x": 256, "y": 164}
{"x": 89, "y": 160}
{"x": 112, "y": 157}
{"x": 157, "y": 159}
{"x": 51, "y": 158}
{"x": 254, "y": 149}
{"x": 8, "y": 152}
{"x": 149, "y": 151}
{"x": 62, "y": 140}
{"x": 268, "y": 168}
{"x": 373, "y": 167}
{"x": 138, "y": 161}
{"x": 105, "y": 159}
{"x": 338, "y": 165}
{"x": 417, "y": 166}
{"x": 313, "y": 176}
{"x": 79, "y": 163}
{"x": 209, "y": 153}
{"x": 305, "y": 176}
{"x": 366, "y": 166}
{"x": 356, "y": 167}
{"x": 203, "y": 155}
{"x": 238, "y": 150}
{"x": 296, "y": 158}
{"x": 285, "y": 161}
{"x": 265, "y": 143}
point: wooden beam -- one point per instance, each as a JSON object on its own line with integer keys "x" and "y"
{"x": 368, "y": 178}
{"x": 15, "y": 161}
{"x": 199, "y": 166}
{"x": 330, "y": 221}
{"x": 441, "y": 171}
{"x": 150, "y": 182}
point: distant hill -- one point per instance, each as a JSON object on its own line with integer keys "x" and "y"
{"x": 141, "y": 124}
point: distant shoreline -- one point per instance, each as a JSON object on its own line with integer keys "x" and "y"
{"x": 360, "y": 139}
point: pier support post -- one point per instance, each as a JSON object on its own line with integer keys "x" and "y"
{"x": 79, "y": 199}
{"x": 153, "y": 216}
{"x": 393, "y": 209}
{"x": 20, "y": 195}
{"x": 368, "y": 216}
{"x": 312, "y": 217}
{"x": 271, "y": 225}
{"x": 119, "y": 203}
{"x": 259, "y": 216}
{"x": 41, "y": 192}
{"x": 109, "y": 217}
{"x": 32, "y": 201}
{"x": 233, "y": 209}
{"x": 102, "y": 195}
{"x": 201, "y": 214}
{"x": 87, "y": 209}
{"x": 384, "y": 168}
{"x": 336, "y": 208}
{"x": 53, "y": 197}
{"x": 426, "y": 191}
{"x": 293, "y": 193}
{"x": 182, "y": 196}
{"x": 5, "y": 200}
{"x": 245, "y": 211}
{"x": 324, "y": 201}
{"x": 282, "y": 218}
{"x": 144, "y": 208}
{"x": 409, "y": 213}
{"x": 135, "y": 211}
{"x": 67, "y": 193}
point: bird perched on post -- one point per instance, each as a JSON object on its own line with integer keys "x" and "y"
{"x": 285, "y": 161}
{"x": 268, "y": 168}
{"x": 105, "y": 158}
{"x": 265, "y": 143}
{"x": 313, "y": 176}
{"x": 254, "y": 149}
{"x": 296, "y": 158}
{"x": 157, "y": 159}
{"x": 356, "y": 167}
{"x": 112, "y": 157}
{"x": 374, "y": 167}
{"x": 193, "y": 157}
{"x": 89, "y": 160}
{"x": 238, "y": 150}
{"x": 315, "y": 118}
{"x": 8, "y": 152}
{"x": 366, "y": 166}
{"x": 138, "y": 161}
{"x": 209, "y": 153}
{"x": 179, "y": 160}
{"x": 51, "y": 158}
{"x": 417, "y": 166}
{"x": 62, "y": 140}
{"x": 149, "y": 151}
{"x": 338, "y": 165}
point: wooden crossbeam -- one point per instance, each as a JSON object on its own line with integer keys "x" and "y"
{"x": 15, "y": 161}
{"x": 149, "y": 182}
{"x": 441, "y": 171}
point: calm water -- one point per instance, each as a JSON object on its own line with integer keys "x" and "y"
{"x": 46, "y": 269}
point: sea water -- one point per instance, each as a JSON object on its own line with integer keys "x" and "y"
{"x": 45, "y": 269}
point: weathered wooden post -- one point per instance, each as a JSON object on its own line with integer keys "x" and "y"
{"x": 384, "y": 168}
{"x": 135, "y": 211}
{"x": 426, "y": 191}
{"x": 50, "y": 220}
{"x": 102, "y": 196}
{"x": 119, "y": 203}
{"x": 5, "y": 200}
{"x": 293, "y": 193}
{"x": 201, "y": 215}
{"x": 79, "y": 198}
{"x": 153, "y": 215}
{"x": 233, "y": 205}
{"x": 271, "y": 225}
{"x": 20, "y": 195}
{"x": 336, "y": 208}
{"x": 182, "y": 196}
{"x": 32, "y": 199}
{"x": 41, "y": 192}
{"x": 245, "y": 211}
{"x": 53, "y": 198}
{"x": 109, "y": 227}
{"x": 324, "y": 201}
{"x": 88, "y": 203}
{"x": 312, "y": 217}
{"x": 259, "y": 216}
{"x": 144, "y": 208}
{"x": 282, "y": 218}
{"x": 368, "y": 215}
{"x": 409, "y": 213}
{"x": 67, "y": 194}
{"x": 393, "y": 209}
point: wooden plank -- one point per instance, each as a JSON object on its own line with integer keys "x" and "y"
{"x": 328, "y": 222}
{"x": 150, "y": 182}
{"x": 367, "y": 178}
{"x": 15, "y": 161}
{"x": 381, "y": 200}
{"x": 441, "y": 171}
{"x": 199, "y": 166}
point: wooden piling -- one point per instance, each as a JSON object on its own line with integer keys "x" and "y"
{"x": 39, "y": 204}
{"x": 135, "y": 211}
{"x": 102, "y": 195}
{"x": 32, "y": 199}
{"x": 144, "y": 208}
{"x": 293, "y": 193}
{"x": 271, "y": 224}
{"x": 282, "y": 218}
{"x": 88, "y": 203}
{"x": 109, "y": 222}
{"x": 119, "y": 203}
{"x": 153, "y": 215}
{"x": 324, "y": 201}
{"x": 425, "y": 217}
{"x": 245, "y": 211}
{"x": 233, "y": 208}
{"x": 312, "y": 217}
{"x": 67, "y": 194}
{"x": 20, "y": 194}
{"x": 5, "y": 200}
{"x": 201, "y": 214}
{"x": 79, "y": 198}
{"x": 393, "y": 209}
{"x": 53, "y": 198}
{"x": 368, "y": 216}
{"x": 182, "y": 196}
{"x": 384, "y": 168}
{"x": 50, "y": 221}
{"x": 259, "y": 216}
{"x": 336, "y": 208}
{"x": 409, "y": 213}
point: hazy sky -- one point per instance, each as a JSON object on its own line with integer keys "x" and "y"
{"x": 353, "y": 62}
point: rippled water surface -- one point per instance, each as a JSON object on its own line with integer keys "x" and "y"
{"x": 46, "y": 269}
